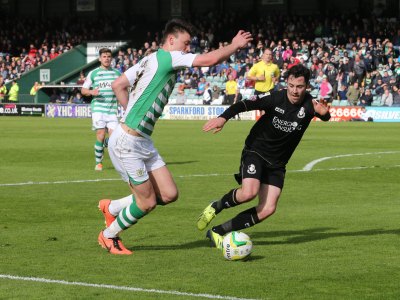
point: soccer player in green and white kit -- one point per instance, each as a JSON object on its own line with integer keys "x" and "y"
{"x": 131, "y": 150}
{"x": 104, "y": 104}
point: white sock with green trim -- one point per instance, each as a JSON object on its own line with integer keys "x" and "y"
{"x": 117, "y": 205}
{"x": 98, "y": 151}
{"x": 125, "y": 219}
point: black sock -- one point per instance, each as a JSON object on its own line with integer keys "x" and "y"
{"x": 228, "y": 200}
{"x": 245, "y": 219}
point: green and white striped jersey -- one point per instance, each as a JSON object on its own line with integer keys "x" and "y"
{"x": 152, "y": 80}
{"x": 101, "y": 78}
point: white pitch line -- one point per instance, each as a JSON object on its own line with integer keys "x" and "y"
{"x": 59, "y": 182}
{"x": 122, "y": 288}
{"x": 181, "y": 176}
{"x": 309, "y": 166}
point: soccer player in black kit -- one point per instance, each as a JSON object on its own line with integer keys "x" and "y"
{"x": 268, "y": 148}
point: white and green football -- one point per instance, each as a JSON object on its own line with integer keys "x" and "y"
{"x": 237, "y": 245}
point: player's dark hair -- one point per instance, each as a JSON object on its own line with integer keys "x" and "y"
{"x": 299, "y": 71}
{"x": 104, "y": 50}
{"x": 175, "y": 26}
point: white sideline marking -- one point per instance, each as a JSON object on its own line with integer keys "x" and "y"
{"x": 116, "y": 287}
{"x": 309, "y": 166}
{"x": 58, "y": 182}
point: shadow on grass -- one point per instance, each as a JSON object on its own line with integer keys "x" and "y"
{"x": 264, "y": 238}
{"x": 310, "y": 235}
{"x": 201, "y": 243}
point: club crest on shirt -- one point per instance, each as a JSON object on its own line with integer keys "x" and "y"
{"x": 279, "y": 110}
{"x": 301, "y": 113}
{"x": 251, "y": 169}
{"x": 140, "y": 172}
{"x": 253, "y": 98}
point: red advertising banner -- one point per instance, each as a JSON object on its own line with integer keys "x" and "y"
{"x": 343, "y": 113}
{"x": 338, "y": 113}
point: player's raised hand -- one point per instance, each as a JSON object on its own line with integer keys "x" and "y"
{"x": 242, "y": 38}
{"x": 320, "y": 106}
{"x": 215, "y": 124}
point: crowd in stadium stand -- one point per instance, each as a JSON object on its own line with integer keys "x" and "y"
{"x": 355, "y": 59}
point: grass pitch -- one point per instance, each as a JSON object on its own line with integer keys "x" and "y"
{"x": 335, "y": 235}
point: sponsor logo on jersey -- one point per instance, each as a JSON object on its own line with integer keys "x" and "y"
{"x": 264, "y": 95}
{"x": 104, "y": 84}
{"x": 251, "y": 169}
{"x": 279, "y": 110}
{"x": 284, "y": 125}
{"x": 301, "y": 113}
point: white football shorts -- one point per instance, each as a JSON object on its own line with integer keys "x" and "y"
{"x": 101, "y": 121}
{"x": 132, "y": 156}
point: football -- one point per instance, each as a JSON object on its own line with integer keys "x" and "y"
{"x": 237, "y": 245}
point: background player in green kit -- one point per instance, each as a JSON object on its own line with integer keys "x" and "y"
{"x": 131, "y": 148}
{"x": 104, "y": 104}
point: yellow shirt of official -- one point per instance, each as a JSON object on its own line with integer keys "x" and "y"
{"x": 231, "y": 87}
{"x": 13, "y": 93}
{"x": 262, "y": 68}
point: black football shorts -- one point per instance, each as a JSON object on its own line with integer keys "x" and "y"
{"x": 252, "y": 165}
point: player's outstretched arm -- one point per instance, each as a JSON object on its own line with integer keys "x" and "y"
{"x": 215, "y": 124}
{"x": 239, "y": 41}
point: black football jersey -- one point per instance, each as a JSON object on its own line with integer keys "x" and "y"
{"x": 277, "y": 133}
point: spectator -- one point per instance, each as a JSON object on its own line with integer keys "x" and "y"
{"x": 318, "y": 80}
{"x": 325, "y": 90}
{"x": 201, "y": 87}
{"x": 332, "y": 79}
{"x": 180, "y": 97}
{"x": 216, "y": 93}
{"x": 396, "y": 96}
{"x": 55, "y": 97}
{"x": 77, "y": 99}
{"x": 13, "y": 92}
{"x": 241, "y": 82}
{"x": 293, "y": 61}
{"x": 387, "y": 98}
{"x": 359, "y": 69}
{"x": 366, "y": 98}
{"x": 194, "y": 81}
{"x": 278, "y": 60}
{"x": 81, "y": 79}
{"x": 342, "y": 92}
{"x": 207, "y": 95}
{"x": 367, "y": 83}
{"x": 53, "y": 54}
{"x": 353, "y": 93}
{"x": 379, "y": 87}
{"x": 3, "y": 89}
{"x": 34, "y": 89}
{"x": 385, "y": 78}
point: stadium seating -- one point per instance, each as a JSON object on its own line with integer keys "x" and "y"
{"x": 335, "y": 102}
